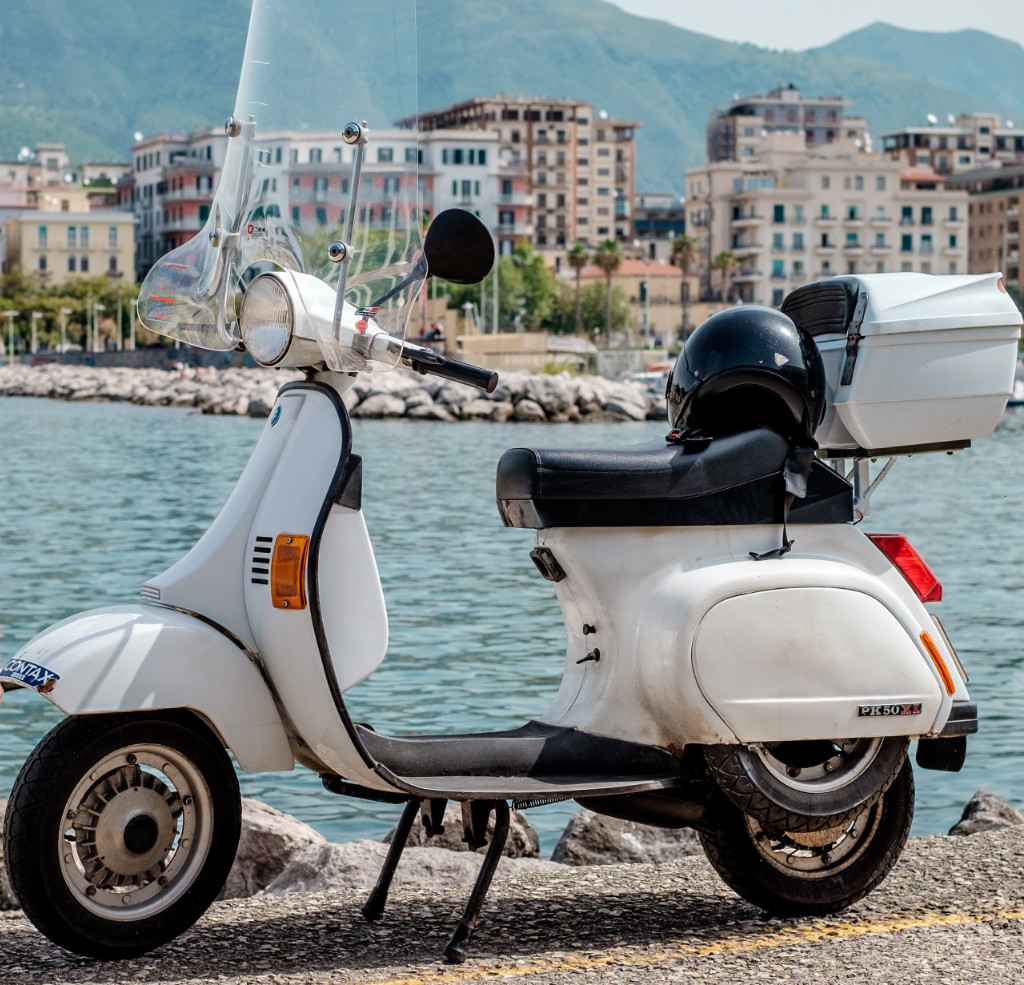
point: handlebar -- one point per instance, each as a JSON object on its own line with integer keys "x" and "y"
{"x": 425, "y": 360}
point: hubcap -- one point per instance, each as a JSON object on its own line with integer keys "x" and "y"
{"x": 135, "y": 832}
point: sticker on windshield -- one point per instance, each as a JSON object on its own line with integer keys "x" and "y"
{"x": 30, "y": 674}
{"x": 363, "y": 316}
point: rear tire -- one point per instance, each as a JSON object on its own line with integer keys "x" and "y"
{"x": 810, "y": 874}
{"x": 120, "y": 831}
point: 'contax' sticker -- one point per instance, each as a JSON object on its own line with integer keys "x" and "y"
{"x": 30, "y": 674}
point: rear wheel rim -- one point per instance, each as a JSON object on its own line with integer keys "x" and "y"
{"x": 818, "y": 854}
{"x": 819, "y": 767}
{"x": 135, "y": 832}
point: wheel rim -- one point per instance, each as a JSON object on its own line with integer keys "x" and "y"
{"x": 816, "y": 854}
{"x": 135, "y": 832}
{"x": 818, "y": 767}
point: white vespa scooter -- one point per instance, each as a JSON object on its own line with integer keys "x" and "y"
{"x": 740, "y": 658}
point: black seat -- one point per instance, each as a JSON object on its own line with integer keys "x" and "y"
{"x": 736, "y": 479}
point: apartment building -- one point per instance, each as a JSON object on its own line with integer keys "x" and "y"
{"x": 993, "y": 211}
{"x": 572, "y": 166}
{"x": 793, "y": 212}
{"x": 175, "y": 176}
{"x": 966, "y": 142}
{"x": 735, "y": 133}
{"x": 57, "y": 244}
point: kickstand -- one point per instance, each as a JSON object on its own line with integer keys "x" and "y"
{"x": 455, "y": 952}
{"x": 374, "y": 906}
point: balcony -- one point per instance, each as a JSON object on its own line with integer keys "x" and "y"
{"x": 853, "y": 221}
{"x": 515, "y": 198}
{"x": 798, "y": 220}
{"x": 882, "y": 247}
{"x": 853, "y": 248}
{"x": 747, "y": 220}
{"x": 825, "y": 220}
{"x": 954, "y": 221}
{"x": 515, "y": 229}
{"x": 746, "y": 250}
{"x": 747, "y": 276}
{"x": 881, "y": 220}
{"x": 825, "y": 248}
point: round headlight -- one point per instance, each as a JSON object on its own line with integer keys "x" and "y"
{"x": 266, "y": 320}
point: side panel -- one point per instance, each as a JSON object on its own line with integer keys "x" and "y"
{"x": 802, "y": 663}
{"x": 140, "y": 657}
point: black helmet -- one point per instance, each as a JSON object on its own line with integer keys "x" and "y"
{"x": 744, "y": 367}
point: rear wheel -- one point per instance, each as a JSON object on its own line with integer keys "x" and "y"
{"x": 795, "y": 873}
{"x": 120, "y": 832}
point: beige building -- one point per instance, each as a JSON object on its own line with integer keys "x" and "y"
{"x": 968, "y": 141}
{"x": 735, "y": 133}
{"x": 792, "y": 212}
{"x": 993, "y": 219}
{"x": 581, "y": 166}
{"x": 57, "y": 245}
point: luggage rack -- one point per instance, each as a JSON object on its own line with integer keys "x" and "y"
{"x": 861, "y": 460}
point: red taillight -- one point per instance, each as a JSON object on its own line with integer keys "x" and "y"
{"x": 919, "y": 576}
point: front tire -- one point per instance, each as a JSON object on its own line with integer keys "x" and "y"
{"x": 120, "y": 831}
{"x": 793, "y": 873}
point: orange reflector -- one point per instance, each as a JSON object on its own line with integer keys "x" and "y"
{"x": 940, "y": 664}
{"x": 287, "y": 571}
{"x": 1001, "y": 285}
{"x": 908, "y": 562}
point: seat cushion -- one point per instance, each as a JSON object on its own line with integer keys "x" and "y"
{"x": 736, "y": 479}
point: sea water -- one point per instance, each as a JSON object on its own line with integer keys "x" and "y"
{"x": 96, "y": 498}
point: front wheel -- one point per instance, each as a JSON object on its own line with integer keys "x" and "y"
{"x": 120, "y": 832}
{"x": 800, "y": 873}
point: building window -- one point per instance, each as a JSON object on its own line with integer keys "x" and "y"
{"x": 112, "y": 265}
{"x": 880, "y": 239}
{"x": 295, "y": 213}
{"x": 880, "y": 183}
{"x": 952, "y": 213}
{"x": 824, "y": 212}
{"x": 907, "y": 215}
{"x": 907, "y": 243}
{"x": 777, "y": 241}
{"x": 858, "y": 183}
{"x": 316, "y": 155}
{"x": 952, "y": 266}
{"x": 481, "y": 156}
{"x": 778, "y": 269}
{"x": 455, "y": 188}
{"x": 778, "y": 213}
{"x": 926, "y": 243}
{"x": 71, "y": 265}
{"x": 851, "y": 240}
{"x": 84, "y": 265}
{"x": 42, "y": 262}
{"x": 952, "y": 241}
{"x": 112, "y": 237}
{"x": 391, "y": 185}
{"x": 467, "y": 190}
{"x": 798, "y": 241}
{"x": 411, "y": 155}
{"x": 880, "y": 267}
{"x": 926, "y": 215}
{"x": 825, "y": 181}
{"x": 385, "y": 155}
{"x": 457, "y": 155}
{"x": 72, "y": 238}
{"x": 851, "y": 213}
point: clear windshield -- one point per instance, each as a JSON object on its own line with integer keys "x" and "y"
{"x": 291, "y": 183}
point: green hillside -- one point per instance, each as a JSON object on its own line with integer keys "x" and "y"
{"x": 127, "y": 69}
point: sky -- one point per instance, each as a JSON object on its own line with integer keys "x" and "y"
{"x": 800, "y": 24}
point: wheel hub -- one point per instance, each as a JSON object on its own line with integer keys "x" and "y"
{"x": 819, "y": 766}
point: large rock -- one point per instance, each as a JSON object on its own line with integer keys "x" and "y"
{"x": 352, "y": 868}
{"x": 522, "y": 839}
{"x": 269, "y": 842}
{"x": 7, "y": 897}
{"x": 593, "y": 839}
{"x": 985, "y": 812}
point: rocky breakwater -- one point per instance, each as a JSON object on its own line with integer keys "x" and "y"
{"x": 399, "y": 393}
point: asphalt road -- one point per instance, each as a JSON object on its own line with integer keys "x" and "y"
{"x": 951, "y": 912}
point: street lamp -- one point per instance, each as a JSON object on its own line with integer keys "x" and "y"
{"x": 134, "y": 315}
{"x": 9, "y": 315}
{"x": 64, "y": 312}
{"x": 36, "y": 315}
{"x": 96, "y": 325}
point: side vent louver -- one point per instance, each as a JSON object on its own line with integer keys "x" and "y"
{"x": 150, "y": 593}
{"x": 261, "y": 554}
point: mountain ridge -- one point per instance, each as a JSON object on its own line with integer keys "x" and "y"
{"x": 179, "y": 72}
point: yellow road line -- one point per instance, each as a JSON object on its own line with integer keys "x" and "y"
{"x": 784, "y": 937}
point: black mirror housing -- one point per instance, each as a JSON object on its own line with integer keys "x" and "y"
{"x": 458, "y": 247}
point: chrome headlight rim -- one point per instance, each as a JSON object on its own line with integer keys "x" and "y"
{"x": 250, "y": 297}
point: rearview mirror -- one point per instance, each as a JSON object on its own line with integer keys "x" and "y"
{"x": 458, "y": 247}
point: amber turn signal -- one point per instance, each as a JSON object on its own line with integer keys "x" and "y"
{"x": 287, "y": 571}
{"x": 940, "y": 664}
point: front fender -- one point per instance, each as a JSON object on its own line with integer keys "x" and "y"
{"x": 141, "y": 657}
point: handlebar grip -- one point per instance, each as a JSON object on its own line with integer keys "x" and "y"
{"x": 428, "y": 361}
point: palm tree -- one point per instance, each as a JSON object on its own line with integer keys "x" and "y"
{"x": 608, "y": 257}
{"x": 725, "y": 263}
{"x": 577, "y": 258}
{"x": 684, "y": 255}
